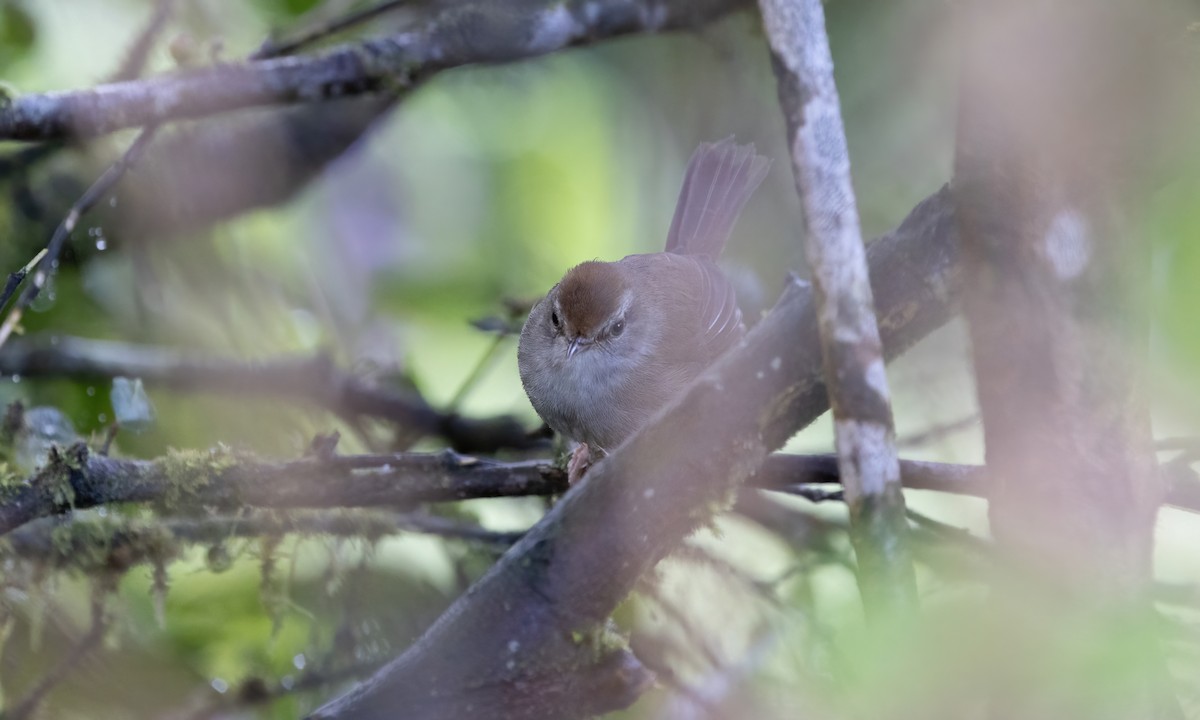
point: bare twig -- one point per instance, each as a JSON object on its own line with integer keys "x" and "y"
{"x": 850, "y": 343}
{"x": 28, "y": 705}
{"x": 271, "y": 48}
{"x": 97, "y": 544}
{"x": 139, "y": 52}
{"x": 49, "y": 260}
{"x": 16, "y": 278}
{"x": 450, "y": 39}
{"x": 256, "y": 692}
{"x": 112, "y": 175}
{"x": 314, "y": 380}
{"x": 938, "y": 432}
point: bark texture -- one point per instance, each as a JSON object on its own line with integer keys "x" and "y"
{"x": 849, "y": 335}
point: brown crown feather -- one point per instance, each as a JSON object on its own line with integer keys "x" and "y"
{"x": 588, "y": 294}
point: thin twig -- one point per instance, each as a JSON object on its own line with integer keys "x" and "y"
{"x": 49, "y": 260}
{"x": 15, "y": 279}
{"x": 679, "y": 616}
{"x": 309, "y": 379}
{"x": 472, "y": 379}
{"x": 90, "y": 543}
{"x": 938, "y": 432}
{"x": 139, "y": 52}
{"x": 28, "y": 705}
{"x": 270, "y": 48}
{"x": 108, "y": 180}
{"x": 401, "y": 61}
{"x": 255, "y": 692}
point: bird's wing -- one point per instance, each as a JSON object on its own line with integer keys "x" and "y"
{"x": 720, "y": 318}
{"x": 709, "y": 320}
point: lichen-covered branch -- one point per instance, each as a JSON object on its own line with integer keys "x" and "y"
{"x": 192, "y": 481}
{"x": 459, "y": 34}
{"x": 91, "y": 543}
{"x": 315, "y": 380}
{"x": 221, "y": 479}
{"x": 528, "y": 640}
{"x": 849, "y": 334}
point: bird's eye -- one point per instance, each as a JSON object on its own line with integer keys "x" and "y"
{"x": 554, "y": 318}
{"x": 617, "y": 328}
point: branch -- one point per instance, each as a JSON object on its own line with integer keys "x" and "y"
{"x": 314, "y": 380}
{"x": 521, "y": 643}
{"x": 272, "y": 48}
{"x": 92, "y": 544}
{"x": 139, "y": 52}
{"x": 190, "y": 482}
{"x": 112, "y": 175}
{"x": 27, "y": 707}
{"x": 459, "y": 35}
{"x": 849, "y": 335}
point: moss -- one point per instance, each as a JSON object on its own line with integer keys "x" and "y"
{"x": 55, "y": 479}
{"x": 599, "y": 641}
{"x": 11, "y": 481}
{"x": 218, "y": 559}
{"x": 109, "y": 543}
{"x": 188, "y": 473}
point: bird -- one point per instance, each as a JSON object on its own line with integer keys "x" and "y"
{"x": 613, "y": 342}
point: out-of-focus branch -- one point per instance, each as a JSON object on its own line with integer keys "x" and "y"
{"x": 257, "y": 692}
{"x": 48, "y": 263}
{"x": 315, "y": 380}
{"x": 27, "y": 706}
{"x": 517, "y": 645}
{"x": 482, "y": 32}
{"x": 139, "y": 51}
{"x": 112, "y": 175}
{"x": 849, "y": 334}
{"x": 1056, "y": 279}
{"x": 92, "y": 544}
{"x": 333, "y": 26}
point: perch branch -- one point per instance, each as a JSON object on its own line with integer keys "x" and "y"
{"x": 511, "y": 647}
{"x": 190, "y": 482}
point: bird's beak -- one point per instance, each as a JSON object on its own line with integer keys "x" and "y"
{"x": 576, "y": 345}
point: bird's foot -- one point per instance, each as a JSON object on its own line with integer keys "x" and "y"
{"x": 581, "y": 459}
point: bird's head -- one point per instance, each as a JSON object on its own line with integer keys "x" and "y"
{"x": 591, "y": 306}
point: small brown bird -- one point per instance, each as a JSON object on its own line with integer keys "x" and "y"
{"x": 613, "y": 342}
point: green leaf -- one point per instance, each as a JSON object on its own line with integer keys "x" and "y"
{"x": 17, "y": 31}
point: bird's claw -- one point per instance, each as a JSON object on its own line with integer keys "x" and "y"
{"x": 581, "y": 459}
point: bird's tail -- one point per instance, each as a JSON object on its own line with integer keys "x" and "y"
{"x": 720, "y": 178}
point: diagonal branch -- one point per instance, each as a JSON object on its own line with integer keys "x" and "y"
{"x": 458, "y": 35}
{"x": 527, "y": 640}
